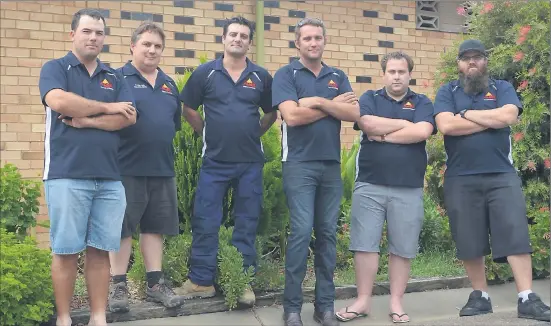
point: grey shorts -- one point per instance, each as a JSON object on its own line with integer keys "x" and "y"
{"x": 484, "y": 209}
{"x": 152, "y": 204}
{"x": 401, "y": 207}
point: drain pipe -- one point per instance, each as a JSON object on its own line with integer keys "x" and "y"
{"x": 260, "y": 32}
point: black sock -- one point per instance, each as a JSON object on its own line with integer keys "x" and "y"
{"x": 118, "y": 278}
{"x": 153, "y": 278}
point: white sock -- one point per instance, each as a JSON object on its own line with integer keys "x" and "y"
{"x": 524, "y": 295}
{"x": 485, "y": 295}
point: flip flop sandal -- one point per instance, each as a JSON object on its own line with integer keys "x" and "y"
{"x": 399, "y": 321}
{"x": 344, "y": 319}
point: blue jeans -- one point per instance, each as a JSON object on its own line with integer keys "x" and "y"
{"x": 313, "y": 190}
{"x": 84, "y": 212}
{"x": 214, "y": 179}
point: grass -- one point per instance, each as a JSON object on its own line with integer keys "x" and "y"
{"x": 425, "y": 265}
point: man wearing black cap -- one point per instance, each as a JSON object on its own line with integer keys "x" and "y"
{"x": 482, "y": 190}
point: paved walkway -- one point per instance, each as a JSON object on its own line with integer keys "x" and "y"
{"x": 424, "y": 308}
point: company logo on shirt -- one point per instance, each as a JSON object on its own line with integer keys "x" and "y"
{"x": 408, "y": 106}
{"x": 249, "y": 84}
{"x": 489, "y": 97}
{"x": 105, "y": 84}
{"x": 166, "y": 89}
{"x": 332, "y": 84}
{"x": 139, "y": 86}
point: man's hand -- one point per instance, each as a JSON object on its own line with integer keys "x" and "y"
{"x": 309, "y": 102}
{"x": 124, "y": 108}
{"x": 348, "y": 97}
{"x": 84, "y": 122}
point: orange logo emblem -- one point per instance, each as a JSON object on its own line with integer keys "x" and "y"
{"x": 106, "y": 84}
{"x": 332, "y": 84}
{"x": 249, "y": 84}
{"x": 489, "y": 96}
{"x": 166, "y": 89}
{"x": 408, "y": 105}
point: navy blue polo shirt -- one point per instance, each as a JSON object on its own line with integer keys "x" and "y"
{"x": 147, "y": 147}
{"x": 232, "y": 119}
{"x": 388, "y": 164}
{"x": 81, "y": 153}
{"x": 488, "y": 151}
{"x": 320, "y": 140}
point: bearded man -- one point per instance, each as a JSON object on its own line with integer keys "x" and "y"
{"x": 482, "y": 191}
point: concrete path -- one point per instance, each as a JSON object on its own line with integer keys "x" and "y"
{"x": 424, "y": 308}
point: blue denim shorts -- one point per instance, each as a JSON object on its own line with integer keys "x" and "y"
{"x": 84, "y": 212}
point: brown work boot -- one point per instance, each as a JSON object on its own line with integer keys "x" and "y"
{"x": 189, "y": 290}
{"x": 247, "y": 298}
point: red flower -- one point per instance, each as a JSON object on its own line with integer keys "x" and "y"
{"x": 521, "y": 39}
{"x": 425, "y": 83}
{"x": 522, "y": 85}
{"x": 544, "y": 209}
{"x": 461, "y": 11}
{"x": 488, "y": 6}
{"x": 547, "y": 163}
{"x": 518, "y": 56}
{"x": 524, "y": 30}
{"x": 531, "y": 166}
{"x": 443, "y": 75}
{"x": 345, "y": 227}
{"x": 518, "y": 136}
{"x": 508, "y": 4}
{"x": 532, "y": 71}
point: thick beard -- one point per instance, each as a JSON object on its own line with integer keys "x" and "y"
{"x": 475, "y": 83}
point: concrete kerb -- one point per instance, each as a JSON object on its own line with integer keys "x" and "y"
{"x": 148, "y": 310}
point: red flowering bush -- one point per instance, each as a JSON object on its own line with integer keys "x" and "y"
{"x": 517, "y": 36}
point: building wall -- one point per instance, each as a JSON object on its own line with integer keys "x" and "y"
{"x": 33, "y": 32}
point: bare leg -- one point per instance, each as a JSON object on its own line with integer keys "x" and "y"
{"x": 119, "y": 260}
{"x": 522, "y": 271}
{"x": 96, "y": 270}
{"x": 398, "y": 268}
{"x": 64, "y": 274}
{"x": 477, "y": 273}
{"x": 365, "y": 265}
{"x": 151, "y": 246}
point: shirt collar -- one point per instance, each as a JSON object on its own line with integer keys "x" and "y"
{"x": 73, "y": 61}
{"x": 409, "y": 95}
{"x": 128, "y": 69}
{"x": 325, "y": 70}
{"x": 219, "y": 65}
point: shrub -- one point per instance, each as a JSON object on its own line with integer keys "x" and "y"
{"x": 517, "y": 36}
{"x": 18, "y": 200}
{"x": 231, "y": 277}
{"x": 137, "y": 271}
{"x": 435, "y": 234}
{"x": 176, "y": 257}
{"x": 27, "y": 294}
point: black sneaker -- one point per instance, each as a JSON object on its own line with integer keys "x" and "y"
{"x": 162, "y": 293}
{"x": 118, "y": 297}
{"x": 533, "y": 308}
{"x": 476, "y": 305}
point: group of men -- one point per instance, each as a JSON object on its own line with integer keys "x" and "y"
{"x": 109, "y": 167}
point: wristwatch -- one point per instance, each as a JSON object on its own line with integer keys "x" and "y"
{"x": 462, "y": 113}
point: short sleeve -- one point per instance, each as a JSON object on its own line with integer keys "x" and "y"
{"x": 283, "y": 87}
{"x": 178, "y": 112}
{"x": 124, "y": 92}
{"x": 506, "y": 94}
{"x": 367, "y": 104}
{"x": 345, "y": 86}
{"x": 52, "y": 76}
{"x": 192, "y": 95}
{"x": 424, "y": 112}
{"x": 444, "y": 100}
{"x": 266, "y": 100}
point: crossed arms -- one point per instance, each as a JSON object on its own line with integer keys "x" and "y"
{"x": 89, "y": 113}
{"x": 310, "y": 109}
{"x": 476, "y": 120}
{"x": 397, "y": 131}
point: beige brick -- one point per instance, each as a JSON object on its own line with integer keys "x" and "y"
{"x": 8, "y": 5}
{"x": 155, "y": 9}
{"x": 194, "y": 12}
{"x": 9, "y": 80}
{"x": 18, "y": 53}
{"x": 28, "y": 6}
{"x": 18, "y": 127}
{"x": 204, "y": 38}
{"x": 202, "y": 29}
{"x": 7, "y": 23}
{"x": 40, "y": 127}
{"x": 204, "y": 5}
{"x": 288, "y": 5}
{"x": 18, "y": 15}
{"x": 33, "y": 44}
{"x": 53, "y": 45}
{"x": 194, "y": 45}
{"x": 130, "y": 23}
{"x": 9, "y": 136}
{"x": 62, "y": 19}
{"x": 173, "y": 10}
{"x": 116, "y": 5}
{"x": 10, "y": 155}
{"x": 29, "y": 136}
{"x": 27, "y": 24}
{"x": 31, "y": 173}
{"x": 33, "y": 155}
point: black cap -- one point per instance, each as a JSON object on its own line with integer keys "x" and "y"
{"x": 471, "y": 45}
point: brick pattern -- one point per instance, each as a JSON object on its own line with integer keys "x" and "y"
{"x": 359, "y": 34}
